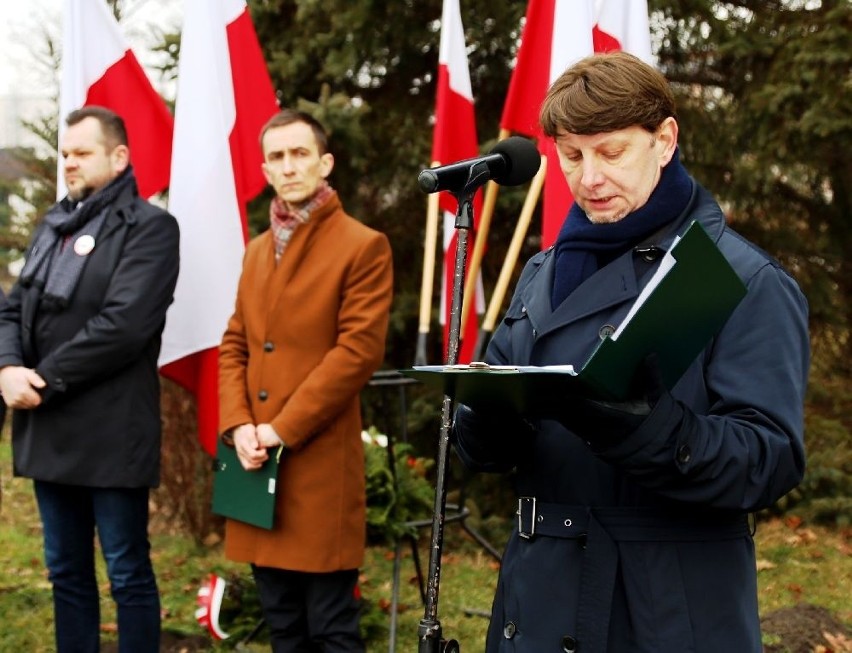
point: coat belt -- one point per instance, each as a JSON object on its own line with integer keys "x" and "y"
{"x": 598, "y": 529}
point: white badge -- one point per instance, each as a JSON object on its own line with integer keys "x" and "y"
{"x": 84, "y": 245}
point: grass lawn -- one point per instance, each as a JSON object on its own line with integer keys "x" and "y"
{"x": 799, "y": 565}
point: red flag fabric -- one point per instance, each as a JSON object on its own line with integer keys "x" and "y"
{"x": 99, "y": 68}
{"x": 455, "y": 139}
{"x": 555, "y": 35}
{"x": 224, "y": 97}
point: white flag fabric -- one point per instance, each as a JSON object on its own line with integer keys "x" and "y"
{"x": 626, "y": 23}
{"x": 224, "y": 96}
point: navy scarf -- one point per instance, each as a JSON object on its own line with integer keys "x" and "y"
{"x": 582, "y": 246}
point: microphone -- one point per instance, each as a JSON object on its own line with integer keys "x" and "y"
{"x": 511, "y": 162}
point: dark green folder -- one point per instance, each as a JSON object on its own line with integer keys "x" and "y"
{"x": 245, "y": 496}
{"x": 687, "y": 306}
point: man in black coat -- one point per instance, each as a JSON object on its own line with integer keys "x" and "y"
{"x": 79, "y": 340}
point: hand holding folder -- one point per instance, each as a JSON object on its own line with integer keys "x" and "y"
{"x": 683, "y": 306}
{"x": 247, "y": 496}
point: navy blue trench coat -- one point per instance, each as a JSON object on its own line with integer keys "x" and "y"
{"x": 644, "y": 545}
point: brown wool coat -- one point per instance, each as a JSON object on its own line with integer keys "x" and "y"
{"x": 307, "y": 335}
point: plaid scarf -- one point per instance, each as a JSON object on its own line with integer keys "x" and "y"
{"x": 53, "y": 263}
{"x": 284, "y": 221}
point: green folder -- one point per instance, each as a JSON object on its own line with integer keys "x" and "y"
{"x": 685, "y": 304}
{"x": 242, "y": 495}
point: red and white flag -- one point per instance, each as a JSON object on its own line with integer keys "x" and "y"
{"x": 99, "y": 68}
{"x": 455, "y": 139}
{"x": 224, "y": 97}
{"x": 623, "y": 25}
{"x": 556, "y": 34}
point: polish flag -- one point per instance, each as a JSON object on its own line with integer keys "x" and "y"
{"x": 623, "y": 25}
{"x": 455, "y": 139}
{"x": 556, "y": 34}
{"x": 99, "y": 68}
{"x": 224, "y": 97}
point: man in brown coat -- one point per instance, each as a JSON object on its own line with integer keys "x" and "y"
{"x": 307, "y": 333}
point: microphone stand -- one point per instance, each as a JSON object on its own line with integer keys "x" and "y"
{"x": 429, "y": 631}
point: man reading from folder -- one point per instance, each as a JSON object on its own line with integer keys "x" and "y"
{"x": 632, "y": 530}
{"x": 307, "y": 333}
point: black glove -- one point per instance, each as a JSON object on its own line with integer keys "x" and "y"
{"x": 605, "y": 423}
{"x": 487, "y": 441}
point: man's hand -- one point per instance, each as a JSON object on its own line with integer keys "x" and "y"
{"x": 250, "y": 451}
{"x": 19, "y": 387}
{"x": 267, "y": 436}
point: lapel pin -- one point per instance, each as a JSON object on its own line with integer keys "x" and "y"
{"x": 84, "y": 245}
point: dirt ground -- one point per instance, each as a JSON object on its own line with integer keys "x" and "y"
{"x": 806, "y": 628}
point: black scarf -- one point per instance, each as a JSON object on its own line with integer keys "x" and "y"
{"x": 582, "y": 246}
{"x": 53, "y": 263}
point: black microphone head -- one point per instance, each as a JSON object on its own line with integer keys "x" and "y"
{"x": 428, "y": 181}
{"x": 522, "y": 160}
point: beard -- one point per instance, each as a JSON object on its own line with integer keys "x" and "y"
{"x": 81, "y": 194}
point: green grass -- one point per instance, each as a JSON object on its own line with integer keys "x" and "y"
{"x": 467, "y": 583}
{"x": 798, "y": 563}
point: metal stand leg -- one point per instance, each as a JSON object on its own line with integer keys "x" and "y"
{"x": 454, "y": 513}
{"x": 397, "y": 555}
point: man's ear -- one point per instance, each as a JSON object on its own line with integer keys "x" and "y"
{"x": 667, "y": 140}
{"x": 266, "y": 174}
{"x": 120, "y": 158}
{"x": 326, "y": 164}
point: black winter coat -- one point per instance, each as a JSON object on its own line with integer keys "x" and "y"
{"x": 653, "y": 553}
{"x": 99, "y": 421}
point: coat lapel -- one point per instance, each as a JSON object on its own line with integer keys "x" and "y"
{"x": 300, "y": 244}
{"x": 618, "y": 279}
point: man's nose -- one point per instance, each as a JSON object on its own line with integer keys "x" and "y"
{"x": 287, "y": 166}
{"x": 592, "y": 175}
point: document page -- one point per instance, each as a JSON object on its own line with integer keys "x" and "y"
{"x": 666, "y": 265}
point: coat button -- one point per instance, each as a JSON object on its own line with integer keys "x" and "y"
{"x": 263, "y": 395}
{"x": 606, "y": 331}
{"x": 569, "y": 644}
{"x": 684, "y": 454}
{"x": 268, "y": 346}
{"x": 509, "y": 630}
{"x": 649, "y": 254}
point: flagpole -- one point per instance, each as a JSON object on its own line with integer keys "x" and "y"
{"x": 511, "y": 260}
{"x": 482, "y": 230}
{"x": 430, "y": 242}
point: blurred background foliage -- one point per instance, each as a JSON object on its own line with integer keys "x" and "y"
{"x": 765, "y": 111}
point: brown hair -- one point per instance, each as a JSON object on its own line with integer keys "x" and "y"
{"x": 604, "y": 93}
{"x": 288, "y": 117}
{"x": 112, "y": 126}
